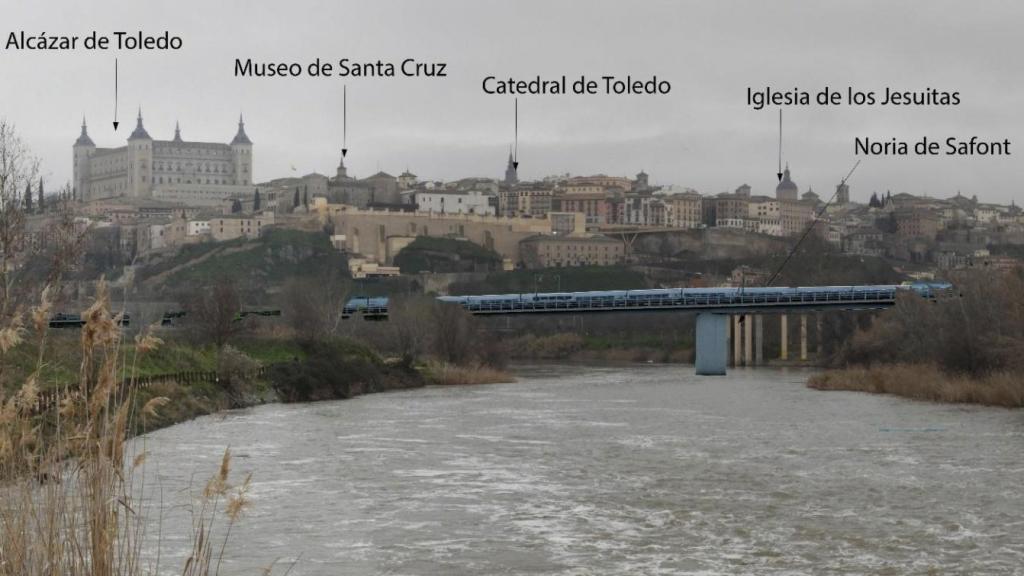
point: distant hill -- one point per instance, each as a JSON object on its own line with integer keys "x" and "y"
{"x": 275, "y": 258}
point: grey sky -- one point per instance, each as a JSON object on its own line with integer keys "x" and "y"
{"x": 701, "y": 135}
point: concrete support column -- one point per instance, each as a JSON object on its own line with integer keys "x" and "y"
{"x": 748, "y": 329}
{"x": 803, "y": 337}
{"x": 737, "y": 341}
{"x": 759, "y": 340}
{"x": 728, "y": 336}
{"x": 783, "y": 338}
{"x": 818, "y": 333}
{"x": 712, "y": 344}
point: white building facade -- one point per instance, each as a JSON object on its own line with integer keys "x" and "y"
{"x": 457, "y": 202}
{"x": 194, "y": 173}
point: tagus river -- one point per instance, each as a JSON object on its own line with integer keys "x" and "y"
{"x": 623, "y": 470}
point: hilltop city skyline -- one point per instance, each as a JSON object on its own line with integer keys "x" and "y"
{"x": 702, "y": 134}
{"x": 766, "y": 187}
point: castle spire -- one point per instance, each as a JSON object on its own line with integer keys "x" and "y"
{"x": 83, "y": 138}
{"x": 140, "y": 132}
{"x": 241, "y": 137}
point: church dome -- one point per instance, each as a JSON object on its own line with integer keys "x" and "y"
{"x": 787, "y": 184}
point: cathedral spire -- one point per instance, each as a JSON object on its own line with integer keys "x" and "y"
{"x": 511, "y": 176}
{"x": 342, "y": 173}
{"x": 177, "y": 131}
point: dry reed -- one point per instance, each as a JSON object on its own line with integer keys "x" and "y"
{"x": 926, "y": 382}
{"x": 451, "y": 375}
{"x": 71, "y": 483}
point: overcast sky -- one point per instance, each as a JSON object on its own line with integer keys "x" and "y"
{"x": 701, "y": 135}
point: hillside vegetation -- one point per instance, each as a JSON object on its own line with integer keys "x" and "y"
{"x": 277, "y": 256}
{"x": 428, "y": 254}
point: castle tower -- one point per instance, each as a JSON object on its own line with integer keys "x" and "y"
{"x": 140, "y": 161}
{"x": 787, "y": 189}
{"x": 82, "y": 150}
{"x": 241, "y": 148}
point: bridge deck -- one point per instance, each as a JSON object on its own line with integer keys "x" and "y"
{"x": 740, "y": 302}
{"x": 721, "y": 300}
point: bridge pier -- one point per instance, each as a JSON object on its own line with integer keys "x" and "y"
{"x": 818, "y": 330}
{"x": 803, "y": 337}
{"x": 759, "y": 340}
{"x": 783, "y": 338}
{"x": 748, "y": 331}
{"x": 712, "y": 343}
{"x": 737, "y": 340}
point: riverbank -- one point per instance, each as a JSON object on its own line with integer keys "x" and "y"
{"x": 926, "y": 382}
{"x": 188, "y": 381}
{"x": 308, "y": 380}
{"x": 188, "y": 401}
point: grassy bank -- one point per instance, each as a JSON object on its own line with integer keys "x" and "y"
{"x": 926, "y": 382}
{"x": 61, "y": 359}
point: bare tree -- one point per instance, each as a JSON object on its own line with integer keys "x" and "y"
{"x": 409, "y": 327}
{"x": 978, "y": 330}
{"x": 70, "y": 240}
{"x": 313, "y": 305}
{"x": 453, "y": 333}
{"x": 214, "y": 313}
{"x": 18, "y": 169}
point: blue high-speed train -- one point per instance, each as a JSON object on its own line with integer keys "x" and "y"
{"x": 670, "y": 299}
